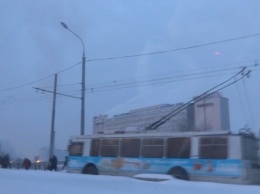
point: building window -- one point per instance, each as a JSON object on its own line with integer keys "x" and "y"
{"x": 109, "y": 147}
{"x": 178, "y": 148}
{"x": 130, "y": 148}
{"x": 152, "y": 148}
{"x": 213, "y": 148}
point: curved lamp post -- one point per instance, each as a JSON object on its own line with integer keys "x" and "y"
{"x": 82, "y": 119}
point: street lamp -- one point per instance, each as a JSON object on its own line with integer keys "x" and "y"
{"x": 82, "y": 119}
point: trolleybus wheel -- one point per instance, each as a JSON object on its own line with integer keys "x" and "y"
{"x": 179, "y": 173}
{"x": 90, "y": 169}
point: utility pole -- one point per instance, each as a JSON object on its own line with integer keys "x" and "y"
{"x": 52, "y": 138}
{"x": 82, "y": 118}
{"x": 55, "y": 93}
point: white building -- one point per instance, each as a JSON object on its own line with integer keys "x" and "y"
{"x": 139, "y": 119}
{"x": 212, "y": 113}
{"x": 208, "y": 114}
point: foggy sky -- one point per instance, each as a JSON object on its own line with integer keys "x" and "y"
{"x": 34, "y": 46}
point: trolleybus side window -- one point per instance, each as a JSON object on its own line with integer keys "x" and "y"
{"x": 178, "y": 148}
{"x": 130, "y": 147}
{"x": 109, "y": 147}
{"x": 95, "y": 146}
{"x": 152, "y": 148}
{"x": 213, "y": 148}
{"x": 76, "y": 149}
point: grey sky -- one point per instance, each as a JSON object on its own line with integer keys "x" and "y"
{"x": 34, "y": 46}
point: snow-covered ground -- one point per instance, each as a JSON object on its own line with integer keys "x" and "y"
{"x": 46, "y": 182}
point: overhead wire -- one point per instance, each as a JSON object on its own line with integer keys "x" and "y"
{"x": 23, "y": 85}
{"x": 71, "y": 90}
{"x": 139, "y": 55}
{"x": 135, "y": 55}
{"x": 152, "y": 83}
{"x": 174, "y": 50}
{"x": 250, "y": 116}
{"x": 167, "y": 79}
{"x": 204, "y": 95}
{"x": 38, "y": 80}
{"x": 241, "y": 102}
{"x": 157, "y": 81}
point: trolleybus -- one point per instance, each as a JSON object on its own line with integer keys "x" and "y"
{"x": 198, "y": 156}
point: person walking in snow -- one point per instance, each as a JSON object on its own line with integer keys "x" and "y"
{"x": 52, "y": 163}
{"x": 26, "y": 163}
{"x": 5, "y": 162}
{"x": 65, "y": 163}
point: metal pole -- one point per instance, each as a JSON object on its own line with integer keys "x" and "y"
{"x": 82, "y": 117}
{"x": 52, "y": 139}
{"x": 82, "y": 123}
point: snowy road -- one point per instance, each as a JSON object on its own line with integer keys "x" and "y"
{"x": 46, "y": 182}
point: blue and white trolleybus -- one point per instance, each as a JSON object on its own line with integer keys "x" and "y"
{"x": 199, "y": 156}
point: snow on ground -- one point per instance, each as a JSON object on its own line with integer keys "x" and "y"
{"x": 46, "y": 182}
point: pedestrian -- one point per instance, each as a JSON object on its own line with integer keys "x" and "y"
{"x": 5, "y": 162}
{"x": 49, "y": 167}
{"x": 52, "y": 163}
{"x": 26, "y": 163}
{"x": 65, "y": 163}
